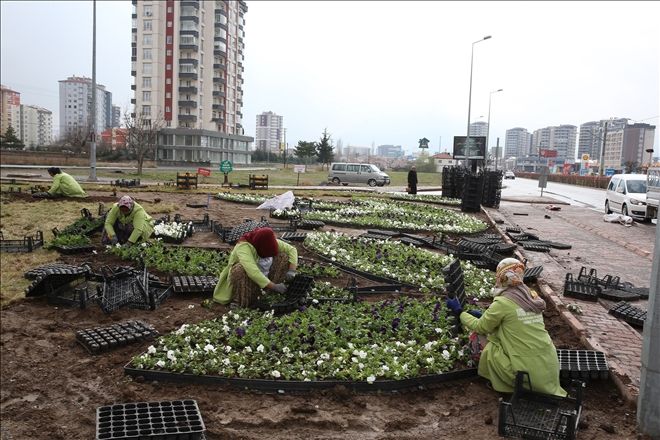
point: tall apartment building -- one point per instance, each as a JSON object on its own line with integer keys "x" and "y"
{"x": 479, "y": 128}
{"x": 560, "y": 138}
{"x": 392, "y": 151}
{"x": 10, "y": 110}
{"x": 187, "y": 64}
{"x": 516, "y": 142}
{"x": 356, "y": 154}
{"x": 269, "y": 132}
{"x": 626, "y": 147}
{"x": 591, "y": 135}
{"x": 76, "y": 106}
{"x": 36, "y": 125}
{"x": 116, "y": 116}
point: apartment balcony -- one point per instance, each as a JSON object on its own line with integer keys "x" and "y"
{"x": 134, "y": 2}
{"x": 133, "y": 87}
{"x": 220, "y": 25}
{"x": 134, "y": 30}
{"x": 219, "y": 120}
{"x": 239, "y": 114}
{"x": 219, "y": 93}
{"x": 190, "y": 18}
{"x": 133, "y": 15}
{"x": 188, "y": 104}
{"x": 133, "y": 73}
{"x": 192, "y": 32}
{"x": 220, "y": 66}
{"x": 219, "y": 52}
{"x": 193, "y": 3}
{"x": 132, "y": 100}
{"x": 133, "y": 115}
{"x": 193, "y": 47}
{"x": 187, "y": 118}
{"x": 133, "y": 58}
{"x": 219, "y": 80}
{"x": 218, "y": 106}
{"x": 133, "y": 45}
{"x": 219, "y": 38}
{"x": 192, "y": 61}
{"x": 188, "y": 75}
{"x": 239, "y": 102}
{"x": 190, "y": 90}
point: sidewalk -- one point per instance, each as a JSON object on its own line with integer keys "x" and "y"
{"x": 610, "y": 248}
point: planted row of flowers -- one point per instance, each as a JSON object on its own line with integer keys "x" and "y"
{"x": 430, "y": 198}
{"x": 251, "y": 199}
{"x": 395, "y": 260}
{"x": 393, "y": 339}
{"x": 401, "y": 216}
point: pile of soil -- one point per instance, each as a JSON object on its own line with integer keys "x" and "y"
{"x": 51, "y": 386}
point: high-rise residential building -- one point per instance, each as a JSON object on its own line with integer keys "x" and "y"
{"x": 625, "y": 148}
{"x": 116, "y": 116}
{"x": 36, "y": 126}
{"x": 479, "y": 128}
{"x": 591, "y": 135}
{"x": 560, "y": 138}
{"x": 356, "y": 154}
{"x": 516, "y": 142}
{"x": 76, "y": 106}
{"x": 269, "y": 132}
{"x": 10, "y": 110}
{"x": 392, "y": 151}
{"x": 187, "y": 64}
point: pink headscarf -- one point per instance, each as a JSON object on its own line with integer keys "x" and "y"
{"x": 126, "y": 201}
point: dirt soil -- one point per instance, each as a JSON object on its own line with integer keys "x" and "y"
{"x": 51, "y": 387}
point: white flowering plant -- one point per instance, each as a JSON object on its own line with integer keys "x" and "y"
{"x": 174, "y": 231}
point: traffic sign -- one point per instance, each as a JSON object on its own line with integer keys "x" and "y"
{"x": 226, "y": 166}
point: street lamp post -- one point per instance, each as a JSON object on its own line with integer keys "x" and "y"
{"x": 467, "y": 139}
{"x": 650, "y": 151}
{"x": 490, "y": 98}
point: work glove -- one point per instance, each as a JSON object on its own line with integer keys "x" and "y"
{"x": 290, "y": 274}
{"x": 279, "y": 288}
{"x": 476, "y": 313}
{"x": 454, "y": 305}
{"x": 114, "y": 240}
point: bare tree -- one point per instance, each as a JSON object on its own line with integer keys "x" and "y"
{"x": 76, "y": 138}
{"x": 142, "y": 135}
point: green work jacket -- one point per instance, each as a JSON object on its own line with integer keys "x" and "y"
{"x": 65, "y": 185}
{"x": 246, "y": 255}
{"x": 517, "y": 341}
{"x": 138, "y": 217}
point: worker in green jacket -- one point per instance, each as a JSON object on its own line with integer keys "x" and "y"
{"x": 127, "y": 222}
{"x": 517, "y": 338}
{"x": 64, "y": 185}
{"x": 258, "y": 261}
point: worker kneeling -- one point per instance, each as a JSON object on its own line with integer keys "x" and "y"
{"x": 258, "y": 261}
{"x": 64, "y": 185}
{"x": 127, "y": 222}
{"x": 517, "y": 338}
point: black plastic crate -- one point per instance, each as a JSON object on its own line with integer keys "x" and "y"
{"x": 534, "y": 247}
{"x": 629, "y": 313}
{"x": 101, "y": 339}
{"x": 120, "y": 291}
{"x": 582, "y": 364}
{"x": 532, "y": 273}
{"x": 532, "y": 415}
{"x": 237, "y": 231}
{"x": 296, "y": 295}
{"x": 26, "y": 244}
{"x": 588, "y": 291}
{"x": 198, "y": 225}
{"x": 619, "y": 295}
{"x": 391, "y": 234}
{"x": 454, "y": 281}
{"x": 514, "y": 229}
{"x": 294, "y": 236}
{"x": 310, "y": 224}
{"x": 164, "y": 420}
{"x": 193, "y": 284}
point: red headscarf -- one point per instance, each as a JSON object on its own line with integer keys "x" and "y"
{"x": 263, "y": 240}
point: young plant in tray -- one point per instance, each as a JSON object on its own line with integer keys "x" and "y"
{"x": 318, "y": 270}
{"x": 285, "y": 213}
{"x": 68, "y": 240}
{"x": 242, "y": 198}
{"x": 393, "y": 339}
{"x": 325, "y": 290}
{"x": 172, "y": 230}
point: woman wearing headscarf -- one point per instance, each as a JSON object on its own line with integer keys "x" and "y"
{"x": 258, "y": 261}
{"x": 127, "y": 222}
{"x": 64, "y": 185}
{"x": 517, "y": 338}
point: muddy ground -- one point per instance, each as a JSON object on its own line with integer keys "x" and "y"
{"x": 51, "y": 387}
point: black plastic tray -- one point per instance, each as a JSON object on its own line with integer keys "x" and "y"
{"x": 101, "y": 339}
{"x": 193, "y": 284}
{"x": 297, "y": 293}
{"x": 582, "y": 364}
{"x": 588, "y": 291}
{"x": 629, "y": 313}
{"x": 532, "y": 273}
{"x": 294, "y": 236}
{"x": 68, "y": 250}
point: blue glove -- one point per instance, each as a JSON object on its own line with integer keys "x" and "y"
{"x": 476, "y": 313}
{"x": 454, "y": 305}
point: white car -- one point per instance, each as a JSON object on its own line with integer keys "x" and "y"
{"x": 626, "y": 193}
{"x": 509, "y": 175}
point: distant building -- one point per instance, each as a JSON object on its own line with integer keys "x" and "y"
{"x": 560, "y": 138}
{"x": 390, "y": 151}
{"x": 36, "y": 126}
{"x": 479, "y": 128}
{"x": 353, "y": 153}
{"x": 590, "y": 140}
{"x": 76, "y": 106}
{"x": 442, "y": 160}
{"x": 516, "y": 142}
{"x": 269, "y": 132}
{"x": 10, "y": 110}
{"x": 625, "y": 149}
{"x": 114, "y": 138}
{"x": 116, "y": 116}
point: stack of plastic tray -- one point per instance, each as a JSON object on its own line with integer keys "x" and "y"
{"x": 100, "y": 339}
{"x": 294, "y": 236}
{"x": 588, "y": 291}
{"x": 533, "y": 415}
{"x": 492, "y": 188}
{"x": 193, "y": 284}
{"x": 374, "y": 236}
{"x": 629, "y": 313}
{"x": 472, "y": 192}
{"x": 532, "y": 273}
{"x": 165, "y": 420}
{"x": 582, "y": 364}
{"x": 61, "y": 283}
{"x": 310, "y": 224}
{"x": 454, "y": 282}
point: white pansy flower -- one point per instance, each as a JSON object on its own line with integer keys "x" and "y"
{"x": 276, "y": 374}
{"x": 371, "y": 379}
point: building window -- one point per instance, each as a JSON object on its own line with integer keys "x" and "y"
{"x": 168, "y": 95}
{"x": 146, "y": 68}
{"x": 169, "y": 39}
{"x": 147, "y": 40}
{"x": 146, "y": 26}
{"x": 146, "y": 82}
{"x": 146, "y": 54}
{"x": 169, "y": 24}
{"x": 167, "y": 109}
{"x": 146, "y": 110}
{"x": 168, "y": 52}
{"x": 148, "y": 11}
{"x": 169, "y": 9}
{"x": 168, "y": 80}
{"x": 146, "y": 96}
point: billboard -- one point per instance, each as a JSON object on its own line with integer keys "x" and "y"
{"x": 547, "y": 153}
{"x": 477, "y": 148}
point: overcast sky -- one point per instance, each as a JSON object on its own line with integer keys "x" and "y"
{"x": 380, "y": 72}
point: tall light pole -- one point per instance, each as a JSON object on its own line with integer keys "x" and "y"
{"x": 490, "y": 97}
{"x": 92, "y": 147}
{"x": 467, "y": 139}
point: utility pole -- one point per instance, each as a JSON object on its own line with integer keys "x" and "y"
{"x": 285, "y": 148}
{"x": 497, "y": 152}
{"x": 92, "y": 147}
{"x": 602, "y": 152}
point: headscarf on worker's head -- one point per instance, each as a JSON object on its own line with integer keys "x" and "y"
{"x": 126, "y": 201}
{"x": 509, "y": 283}
{"x": 263, "y": 240}
{"x": 54, "y": 171}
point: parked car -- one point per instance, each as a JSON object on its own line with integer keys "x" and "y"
{"x": 345, "y": 173}
{"x": 626, "y": 194}
{"x": 652, "y": 192}
{"x": 509, "y": 175}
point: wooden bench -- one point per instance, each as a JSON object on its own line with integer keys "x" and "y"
{"x": 258, "y": 182}
{"x": 186, "y": 180}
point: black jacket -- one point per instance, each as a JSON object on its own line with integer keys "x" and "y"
{"x": 412, "y": 178}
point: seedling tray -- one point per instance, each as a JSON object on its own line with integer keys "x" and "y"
{"x": 587, "y": 291}
{"x": 101, "y": 339}
{"x": 367, "y": 275}
{"x": 514, "y": 230}
{"x": 629, "y": 313}
{"x": 384, "y": 288}
{"x": 203, "y": 225}
{"x": 503, "y": 248}
{"x": 195, "y": 205}
{"x": 411, "y": 242}
{"x": 68, "y": 250}
{"x": 51, "y": 277}
{"x": 532, "y": 273}
{"x": 454, "y": 283}
{"x": 471, "y": 246}
{"x": 532, "y": 415}
{"x": 618, "y": 295}
{"x": 310, "y": 224}
{"x": 294, "y": 236}
{"x": 193, "y": 284}
{"x": 390, "y": 234}
{"x": 582, "y": 364}
{"x": 26, "y": 244}
{"x": 297, "y": 293}
{"x": 165, "y": 420}
{"x": 243, "y": 228}
{"x": 374, "y": 236}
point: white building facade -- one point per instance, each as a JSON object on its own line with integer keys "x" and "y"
{"x": 516, "y": 142}
{"x": 36, "y": 126}
{"x": 269, "y": 132}
{"x": 479, "y": 128}
{"x": 76, "y": 105}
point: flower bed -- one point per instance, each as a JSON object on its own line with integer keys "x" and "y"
{"x": 242, "y": 198}
{"x": 397, "y": 261}
{"x": 429, "y": 198}
{"x": 399, "y": 339}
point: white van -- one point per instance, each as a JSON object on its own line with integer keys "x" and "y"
{"x": 652, "y": 192}
{"x": 345, "y": 173}
{"x": 626, "y": 193}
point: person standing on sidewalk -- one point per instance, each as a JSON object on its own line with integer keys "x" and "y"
{"x": 412, "y": 180}
{"x": 517, "y": 338}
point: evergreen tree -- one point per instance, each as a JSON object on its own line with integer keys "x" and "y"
{"x": 10, "y": 141}
{"x": 325, "y": 150}
{"x": 305, "y": 150}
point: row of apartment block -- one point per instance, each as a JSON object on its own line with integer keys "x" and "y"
{"x": 33, "y": 125}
